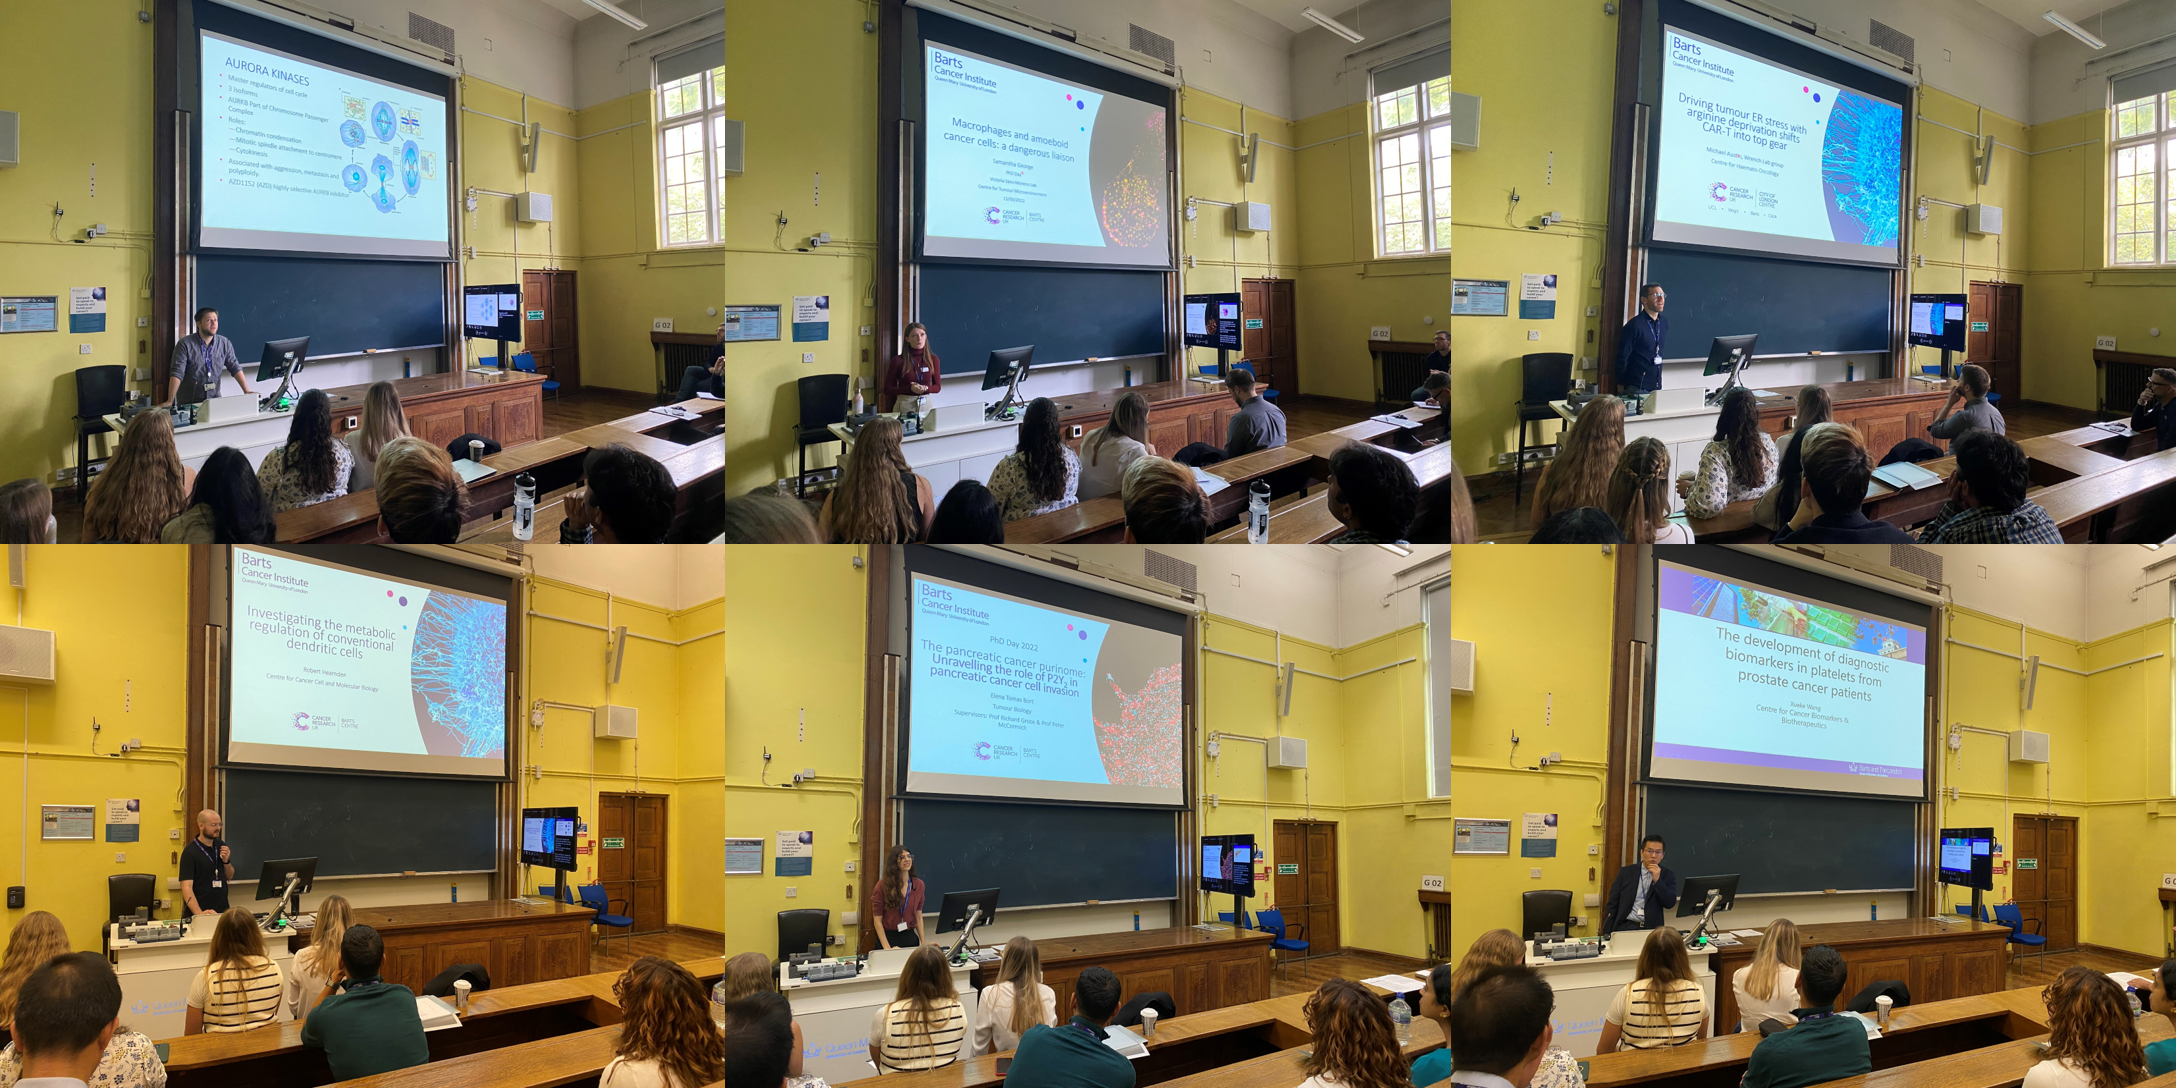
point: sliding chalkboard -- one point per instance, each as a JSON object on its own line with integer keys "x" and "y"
{"x": 1783, "y": 842}
{"x": 1068, "y": 314}
{"x": 1040, "y": 855}
{"x": 344, "y": 307}
{"x": 359, "y": 825}
{"x": 1795, "y": 306}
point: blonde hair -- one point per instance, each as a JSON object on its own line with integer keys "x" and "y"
{"x": 1778, "y": 949}
{"x": 235, "y": 941}
{"x": 37, "y": 939}
{"x": 1580, "y": 474}
{"x": 1023, "y": 967}
{"x": 322, "y": 957}
{"x": 873, "y": 504}
{"x": 141, "y": 489}
{"x": 1496, "y": 948}
{"x": 1663, "y": 963}
{"x": 1639, "y": 490}
{"x": 748, "y": 973}
{"x": 383, "y": 421}
{"x": 1129, "y": 419}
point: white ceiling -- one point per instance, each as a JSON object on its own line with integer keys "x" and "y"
{"x": 2032, "y": 14}
{"x": 575, "y": 8}
{"x": 1287, "y": 12}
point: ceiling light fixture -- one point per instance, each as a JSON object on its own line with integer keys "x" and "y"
{"x": 2075, "y": 31}
{"x": 1323, "y": 21}
{"x": 1396, "y": 549}
{"x": 614, "y": 11}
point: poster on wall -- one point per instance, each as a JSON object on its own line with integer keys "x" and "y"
{"x": 1537, "y": 296}
{"x": 1480, "y": 836}
{"x": 811, "y": 318}
{"x": 1537, "y": 835}
{"x": 29, "y": 313}
{"x": 796, "y": 854}
{"x": 744, "y": 857}
{"x": 68, "y": 822}
{"x": 124, "y": 819}
{"x": 86, "y": 309}
{"x": 1480, "y": 298}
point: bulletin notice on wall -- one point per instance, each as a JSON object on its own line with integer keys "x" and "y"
{"x": 1480, "y": 836}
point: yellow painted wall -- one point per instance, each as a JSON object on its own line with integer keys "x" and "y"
{"x": 491, "y": 159}
{"x": 1209, "y": 169}
{"x": 1954, "y": 258}
{"x": 2124, "y": 850}
{"x": 1386, "y": 844}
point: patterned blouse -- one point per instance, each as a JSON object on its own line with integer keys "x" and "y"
{"x": 1015, "y": 495}
{"x": 130, "y": 1061}
{"x": 285, "y": 490}
{"x": 1713, "y": 487}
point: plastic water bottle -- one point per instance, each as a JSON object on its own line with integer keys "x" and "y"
{"x": 1401, "y": 1017}
{"x": 524, "y": 506}
{"x": 2137, "y": 1010}
{"x": 1873, "y": 910}
{"x": 1258, "y": 512}
{"x": 1137, "y": 921}
{"x": 455, "y": 889}
{"x": 717, "y": 1005}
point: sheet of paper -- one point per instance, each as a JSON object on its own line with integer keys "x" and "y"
{"x": 1745, "y": 933}
{"x": 1124, "y": 1041}
{"x": 1873, "y": 1030}
{"x": 704, "y": 394}
{"x": 437, "y": 1014}
{"x": 1396, "y": 421}
{"x": 1397, "y": 984}
{"x": 1210, "y": 485}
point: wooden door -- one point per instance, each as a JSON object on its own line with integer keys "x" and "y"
{"x": 554, "y": 339}
{"x": 1308, "y": 894}
{"x": 1271, "y": 347}
{"x": 2048, "y": 892}
{"x": 634, "y": 870}
{"x": 2001, "y": 307}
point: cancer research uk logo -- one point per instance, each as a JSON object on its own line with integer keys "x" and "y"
{"x": 1719, "y": 191}
{"x": 982, "y": 750}
{"x": 302, "y": 720}
{"x": 994, "y": 215}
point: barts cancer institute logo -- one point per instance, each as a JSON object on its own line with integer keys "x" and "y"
{"x": 994, "y": 214}
{"x": 982, "y": 750}
{"x": 1719, "y": 191}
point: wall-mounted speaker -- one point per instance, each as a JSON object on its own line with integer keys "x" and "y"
{"x": 618, "y": 652}
{"x": 733, "y": 157}
{"x": 1284, "y": 690}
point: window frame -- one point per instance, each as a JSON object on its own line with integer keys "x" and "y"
{"x": 2161, "y": 138}
{"x": 1424, "y": 127}
{"x": 707, "y": 122}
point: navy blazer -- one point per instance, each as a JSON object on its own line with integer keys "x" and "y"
{"x": 1637, "y": 347}
{"x": 2161, "y": 419}
{"x": 1853, "y": 528}
{"x": 1661, "y": 896}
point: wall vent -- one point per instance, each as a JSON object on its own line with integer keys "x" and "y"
{"x": 431, "y": 32}
{"x": 1914, "y": 560}
{"x": 1151, "y": 43}
{"x": 1883, "y": 36}
{"x": 1164, "y": 568}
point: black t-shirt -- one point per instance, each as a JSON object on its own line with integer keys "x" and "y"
{"x": 201, "y": 864}
{"x": 1439, "y": 360}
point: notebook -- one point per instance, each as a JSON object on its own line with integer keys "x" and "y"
{"x": 437, "y": 1015}
{"x": 1124, "y": 1041}
{"x": 472, "y": 471}
{"x": 1905, "y": 476}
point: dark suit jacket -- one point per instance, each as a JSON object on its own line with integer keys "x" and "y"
{"x": 1661, "y": 896}
{"x": 1637, "y": 347}
{"x": 1855, "y": 528}
{"x": 2160, "y": 419}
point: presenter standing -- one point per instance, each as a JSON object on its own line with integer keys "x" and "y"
{"x": 913, "y": 374}
{"x": 198, "y": 360}
{"x": 207, "y": 867}
{"x": 896, "y": 902}
{"x": 1639, "y": 346}
{"x": 1642, "y": 892}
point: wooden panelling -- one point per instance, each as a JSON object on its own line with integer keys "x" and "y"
{"x": 1201, "y": 970}
{"x": 1937, "y": 960}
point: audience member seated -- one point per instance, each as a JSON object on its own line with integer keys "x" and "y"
{"x": 764, "y": 516}
{"x": 421, "y": 499}
{"x": 226, "y": 507}
{"x": 1638, "y": 499}
{"x": 1017, "y": 1001}
{"x": 1767, "y": 988}
{"x": 311, "y": 467}
{"x": 144, "y": 485}
{"x": 1582, "y": 525}
{"x": 37, "y": 938}
{"x": 1837, "y": 472}
{"x": 968, "y": 515}
{"x": 1987, "y": 503}
{"x": 1738, "y": 464}
{"x": 1579, "y": 476}
{"x": 1823, "y": 1046}
{"x": 1462, "y": 529}
{"x": 1975, "y": 414}
{"x": 240, "y": 987}
{"x": 923, "y": 1027}
{"x": 1108, "y": 449}
{"x": 1776, "y": 508}
{"x": 1074, "y": 1055}
{"x": 316, "y": 969}
{"x": 1372, "y": 494}
{"x": 1355, "y": 1044}
{"x": 1042, "y": 473}
{"x": 1164, "y": 503}
{"x": 708, "y": 377}
{"x": 2092, "y": 1041}
{"x": 667, "y": 1039}
{"x": 1495, "y": 948}
{"x": 628, "y": 498}
{"x": 26, "y": 514}
{"x": 2161, "y": 1055}
{"x": 758, "y": 1042}
{"x": 1258, "y": 425}
{"x": 1662, "y": 1006}
{"x": 2155, "y": 411}
{"x": 367, "y": 1025}
{"x": 1501, "y": 1022}
{"x": 879, "y": 499}
{"x": 383, "y": 421}
{"x": 68, "y": 1031}
{"x": 756, "y": 973}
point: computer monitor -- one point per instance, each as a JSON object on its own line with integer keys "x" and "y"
{"x": 998, "y": 374}
{"x": 282, "y": 357}
{"x": 954, "y": 912}
{"x": 284, "y": 880}
{"x": 1966, "y": 858}
{"x": 1227, "y": 865}
{"x": 491, "y": 311}
{"x": 1705, "y": 896}
{"x": 1938, "y": 321}
{"x": 1729, "y": 353}
{"x": 1212, "y": 321}
{"x": 547, "y": 837}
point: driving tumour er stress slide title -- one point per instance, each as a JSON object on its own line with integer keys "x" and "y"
{"x": 1801, "y": 675}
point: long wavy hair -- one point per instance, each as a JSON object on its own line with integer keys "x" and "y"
{"x": 925, "y": 985}
{"x": 749, "y": 973}
{"x": 322, "y": 957}
{"x": 1129, "y": 419}
{"x": 25, "y": 509}
{"x": 309, "y": 444}
{"x": 1663, "y": 963}
{"x": 1462, "y": 529}
{"x": 1042, "y": 455}
{"x": 2089, "y": 1025}
{"x": 895, "y": 879}
{"x": 1639, "y": 490}
{"x": 1814, "y": 406}
{"x": 1496, "y": 948}
{"x": 1355, "y": 1042}
{"x": 230, "y": 488}
{"x": 667, "y": 1020}
{"x": 37, "y": 939}
{"x": 141, "y": 489}
{"x": 874, "y": 501}
{"x": 1023, "y": 967}
{"x": 1778, "y": 949}
{"x": 1580, "y": 474}
{"x": 1738, "y": 429}
{"x": 383, "y": 421}
{"x": 235, "y": 940}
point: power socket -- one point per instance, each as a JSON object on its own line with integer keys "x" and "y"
{"x": 792, "y": 892}
{"x": 849, "y": 866}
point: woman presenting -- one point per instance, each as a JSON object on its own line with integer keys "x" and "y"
{"x": 914, "y": 372}
{"x": 896, "y": 902}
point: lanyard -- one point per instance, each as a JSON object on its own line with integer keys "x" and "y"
{"x": 1815, "y": 1016}
{"x": 208, "y": 855}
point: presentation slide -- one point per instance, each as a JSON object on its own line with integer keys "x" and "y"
{"x": 547, "y": 838}
{"x": 338, "y": 668}
{"x": 1023, "y": 167}
{"x": 299, "y": 157}
{"x": 1755, "y": 156}
{"x": 1957, "y": 854}
{"x": 1756, "y": 688}
{"x": 1013, "y": 699}
{"x": 1934, "y": 318}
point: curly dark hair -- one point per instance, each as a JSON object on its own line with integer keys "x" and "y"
{"x": 1995, "y": 467}
{"x": 1377, "y": 488}
{"x": 1041, "y": 454}
{"x": 310, "y": 454}
{"x": 1355, "y": 1043}
{"x": 1738, "y": 429}
{"x": 229, "y": 486}
{"x": 2089, "y": 1025}
{"x": 668, "y": 1022}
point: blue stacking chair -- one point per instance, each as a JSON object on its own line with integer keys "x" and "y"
{"x": 593, "y": 897}
{"x": 1226, "y": 916}
{"x": 2009, "y": 915}
{"x": 526, "y": 363}
{"x": 1966, "y": 910}
{"x": 545, "y": 890}
{"x": 1271, "y": 921}
{"x": 1249, "y": 368}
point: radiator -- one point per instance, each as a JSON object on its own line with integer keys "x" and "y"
{"x": 1401, "y": 373}
{"x": 2120, "y": 385}
{"x": 1439, "y": 931}
{"x": 679, "y": 357}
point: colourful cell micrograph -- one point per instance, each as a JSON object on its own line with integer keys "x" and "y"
{"x": 411, "y": 168}
{"x": 1141, "y": 748}
{"x": 351, "y": 176}
{"x": 1859, "y": 165}
{"x": 351, "y": 133}
{"x": 455, "y": 666}
{"x": 1129, "y": 209}
{"x": 382, "y": 122}
{"x": 381, "y": 183}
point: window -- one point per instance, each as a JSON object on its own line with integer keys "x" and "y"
{"x": 690, "y": 141}
{"x": 1411, "y": 118}
{"x": 2141, "y": 211}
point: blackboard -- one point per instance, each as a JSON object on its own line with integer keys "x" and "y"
{"x": 344, "y": 307}
{"x": 1795, "y": 306}
{"x": 1783, "y": 842}
{"x": 358, "y": 825}
{"x": 1038, "y": 855}
{"x": 1067, "y": 314}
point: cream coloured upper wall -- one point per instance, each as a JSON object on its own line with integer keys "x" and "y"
{"x": 686, "y": 576}
{"x": 1329, "y": 72}
{"x": 611, "y": 60}
{"x": 2061, "y": 86}
{"x": 1221, "y": 47}
{"x": 1962, "y": 47}
{"x": 523, "y": 44}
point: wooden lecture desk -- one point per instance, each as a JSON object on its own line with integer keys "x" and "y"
{"x": 1937, "y": 959}
{"x": 1202, "y": 969}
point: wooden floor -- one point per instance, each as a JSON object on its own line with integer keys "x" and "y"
{"x": 676, "y": 945}
{"x": 1495, "y": 515}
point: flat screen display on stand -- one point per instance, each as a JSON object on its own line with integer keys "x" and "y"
{"x": 491, "y": 311}
{"x": 1212, "y": 321}
{"x": 1938, "y": 321}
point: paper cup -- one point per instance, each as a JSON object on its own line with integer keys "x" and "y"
{"x": 460, "y": 993}
{"x": 1148, "y": 1022}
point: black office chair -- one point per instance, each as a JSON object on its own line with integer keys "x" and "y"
{"x": 100, "y": 391}
{"x": 823, "y": 403}
{"x": 1543, "y": 910}
{"x": 125, "y": 892}
{"x": 1544, "y": 376}
{"x": 798, "y": 929}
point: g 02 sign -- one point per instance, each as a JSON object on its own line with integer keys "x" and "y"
{"x": 1431, "y": 883}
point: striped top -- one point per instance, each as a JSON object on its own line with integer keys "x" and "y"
{"x": 905, "y": 1043}
{"x": 238, "y": 999}
{"x": 1684, "y": 1009}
